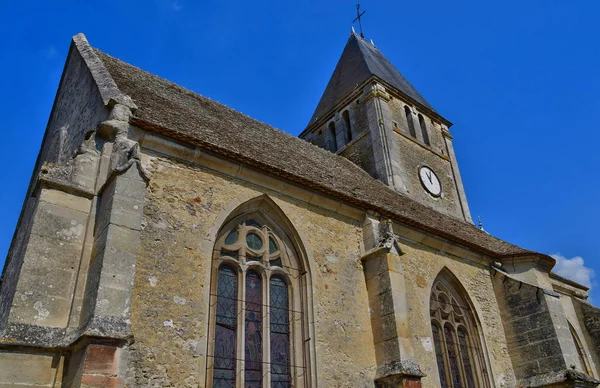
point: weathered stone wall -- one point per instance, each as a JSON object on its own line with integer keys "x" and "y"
{"x": 51, "y": 260}
{"x": 30, "y": 369}
{"x": 413, "y": 154}
{"x": 360, "y": 152}
{"x": 589, "y": 316}
{"x": 78, "y": 107}
{"x": 171, "y": 299}
{"x": 526, "y": 312}
{"x": 421, "y": 265}
{"x": 569, "y": 305}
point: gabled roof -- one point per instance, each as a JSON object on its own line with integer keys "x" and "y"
{"x": 359, "y": 61}
{"x": 168, "y": 109}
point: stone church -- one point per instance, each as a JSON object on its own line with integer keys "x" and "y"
{"x": 167, "y": 240}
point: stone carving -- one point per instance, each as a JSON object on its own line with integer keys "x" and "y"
{"x": 387, "y": 237}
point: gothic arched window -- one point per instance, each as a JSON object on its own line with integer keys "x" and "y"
{"x": 409, "y": 121}
{"x": 424, "y": 129}
{"x": 346, "y": 117}
{"x": 585, "y": 367}
{"x": 458, "y": 351}
{"x": 256, "y": 306}
{"x": 332, "y": 134}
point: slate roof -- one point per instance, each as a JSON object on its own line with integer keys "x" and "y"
{"x": 178, "y": 113}
{"x": 359, "y": 61}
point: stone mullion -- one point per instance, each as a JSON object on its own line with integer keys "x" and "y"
{"x": 296, "y": 334}
{"x": 444, "y": 344}
{"x": 267, "y": 332}
{"x": 241, "y": 326}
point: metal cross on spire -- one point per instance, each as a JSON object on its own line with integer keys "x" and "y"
{"x": 358, "y": 16}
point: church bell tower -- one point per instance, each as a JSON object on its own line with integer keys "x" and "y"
{"x": 370, "y": 114}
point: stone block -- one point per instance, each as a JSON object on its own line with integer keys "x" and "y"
{"x": 381, "y": 304}
{"x": 91, "y": 381}
{"x": 62, "y": 199}
{"x": 27, "y": 369}
{"x": 384, "y": 328}
{"x": 100, "y": 359}
{"x": 59, "y": 222}
{"x": 387, "y": 352}
{"x": 379, "y": 284}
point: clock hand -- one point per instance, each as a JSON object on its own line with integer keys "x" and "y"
{"x": 428, "y": 176}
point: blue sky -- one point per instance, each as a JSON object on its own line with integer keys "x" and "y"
{"x": 519, "y": 79}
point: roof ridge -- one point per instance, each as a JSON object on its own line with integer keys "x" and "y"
{"x": 107, "y": 87}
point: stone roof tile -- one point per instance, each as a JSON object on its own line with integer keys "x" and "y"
{"x": 359, "y": 61}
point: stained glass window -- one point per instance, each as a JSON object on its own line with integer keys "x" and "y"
{"x": 439, "y": 354}
{"x": 272, "y": 245}
{"x": 265, "y": 348}
{"x": 457, "y": 351}
{"x": 280, "y": 334}
{"x": 225, "y": 328}
{"x": 253, "y": 241}
{"x": 464, "y": 351}
{"x": 232, "y": 237}
{"x": 253, "y": 344}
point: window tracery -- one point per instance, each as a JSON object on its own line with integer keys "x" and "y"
{"x": 257, "y": 328}
{"x": 458, "y": 351}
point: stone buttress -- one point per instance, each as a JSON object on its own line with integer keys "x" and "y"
{"x": 66, "y": 294}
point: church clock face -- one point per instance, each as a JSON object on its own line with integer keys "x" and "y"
{"x": 430, "y": 181}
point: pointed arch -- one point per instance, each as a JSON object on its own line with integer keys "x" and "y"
{"x": 409, "y": 121}
{"x": 456, "y": 335}
{"x": 583, "y": 361}
{"x": 424, "y": 132}
{"x": 273, "y": 333}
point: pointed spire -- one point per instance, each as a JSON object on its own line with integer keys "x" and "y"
{"x": 359, "y": 61}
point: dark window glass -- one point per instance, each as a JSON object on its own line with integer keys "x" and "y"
{"x": 280, "y": 334}
{"x": 253, "y": 343}
{"x": 333, "y": 142}
{"x": 424, "y": 130}
{"x": 272, "y": 245}
{"x": 233, "y": 255}
{"x": 346, "y": 117}
{"x": 226, "y": 325}
{"x": 439, "y": 355}
{"x": 252, "y": 222}
{"x": 254, "y": 241}
{"x": 454, "y": 372}
{"x": 409, "y": 121}
{"x": 464, "y": 352}
{"x": 231, "y": 238}
{"x": 276, "y": 262}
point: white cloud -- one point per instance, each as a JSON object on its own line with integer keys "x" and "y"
{"x": 573, "y": 269}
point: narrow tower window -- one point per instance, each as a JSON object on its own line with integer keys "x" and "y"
{"x": 424, "y": 130}
{"x": 333, "y": 146}
{"x": 409, "y": 121}
{"x": 346, "y": 116}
